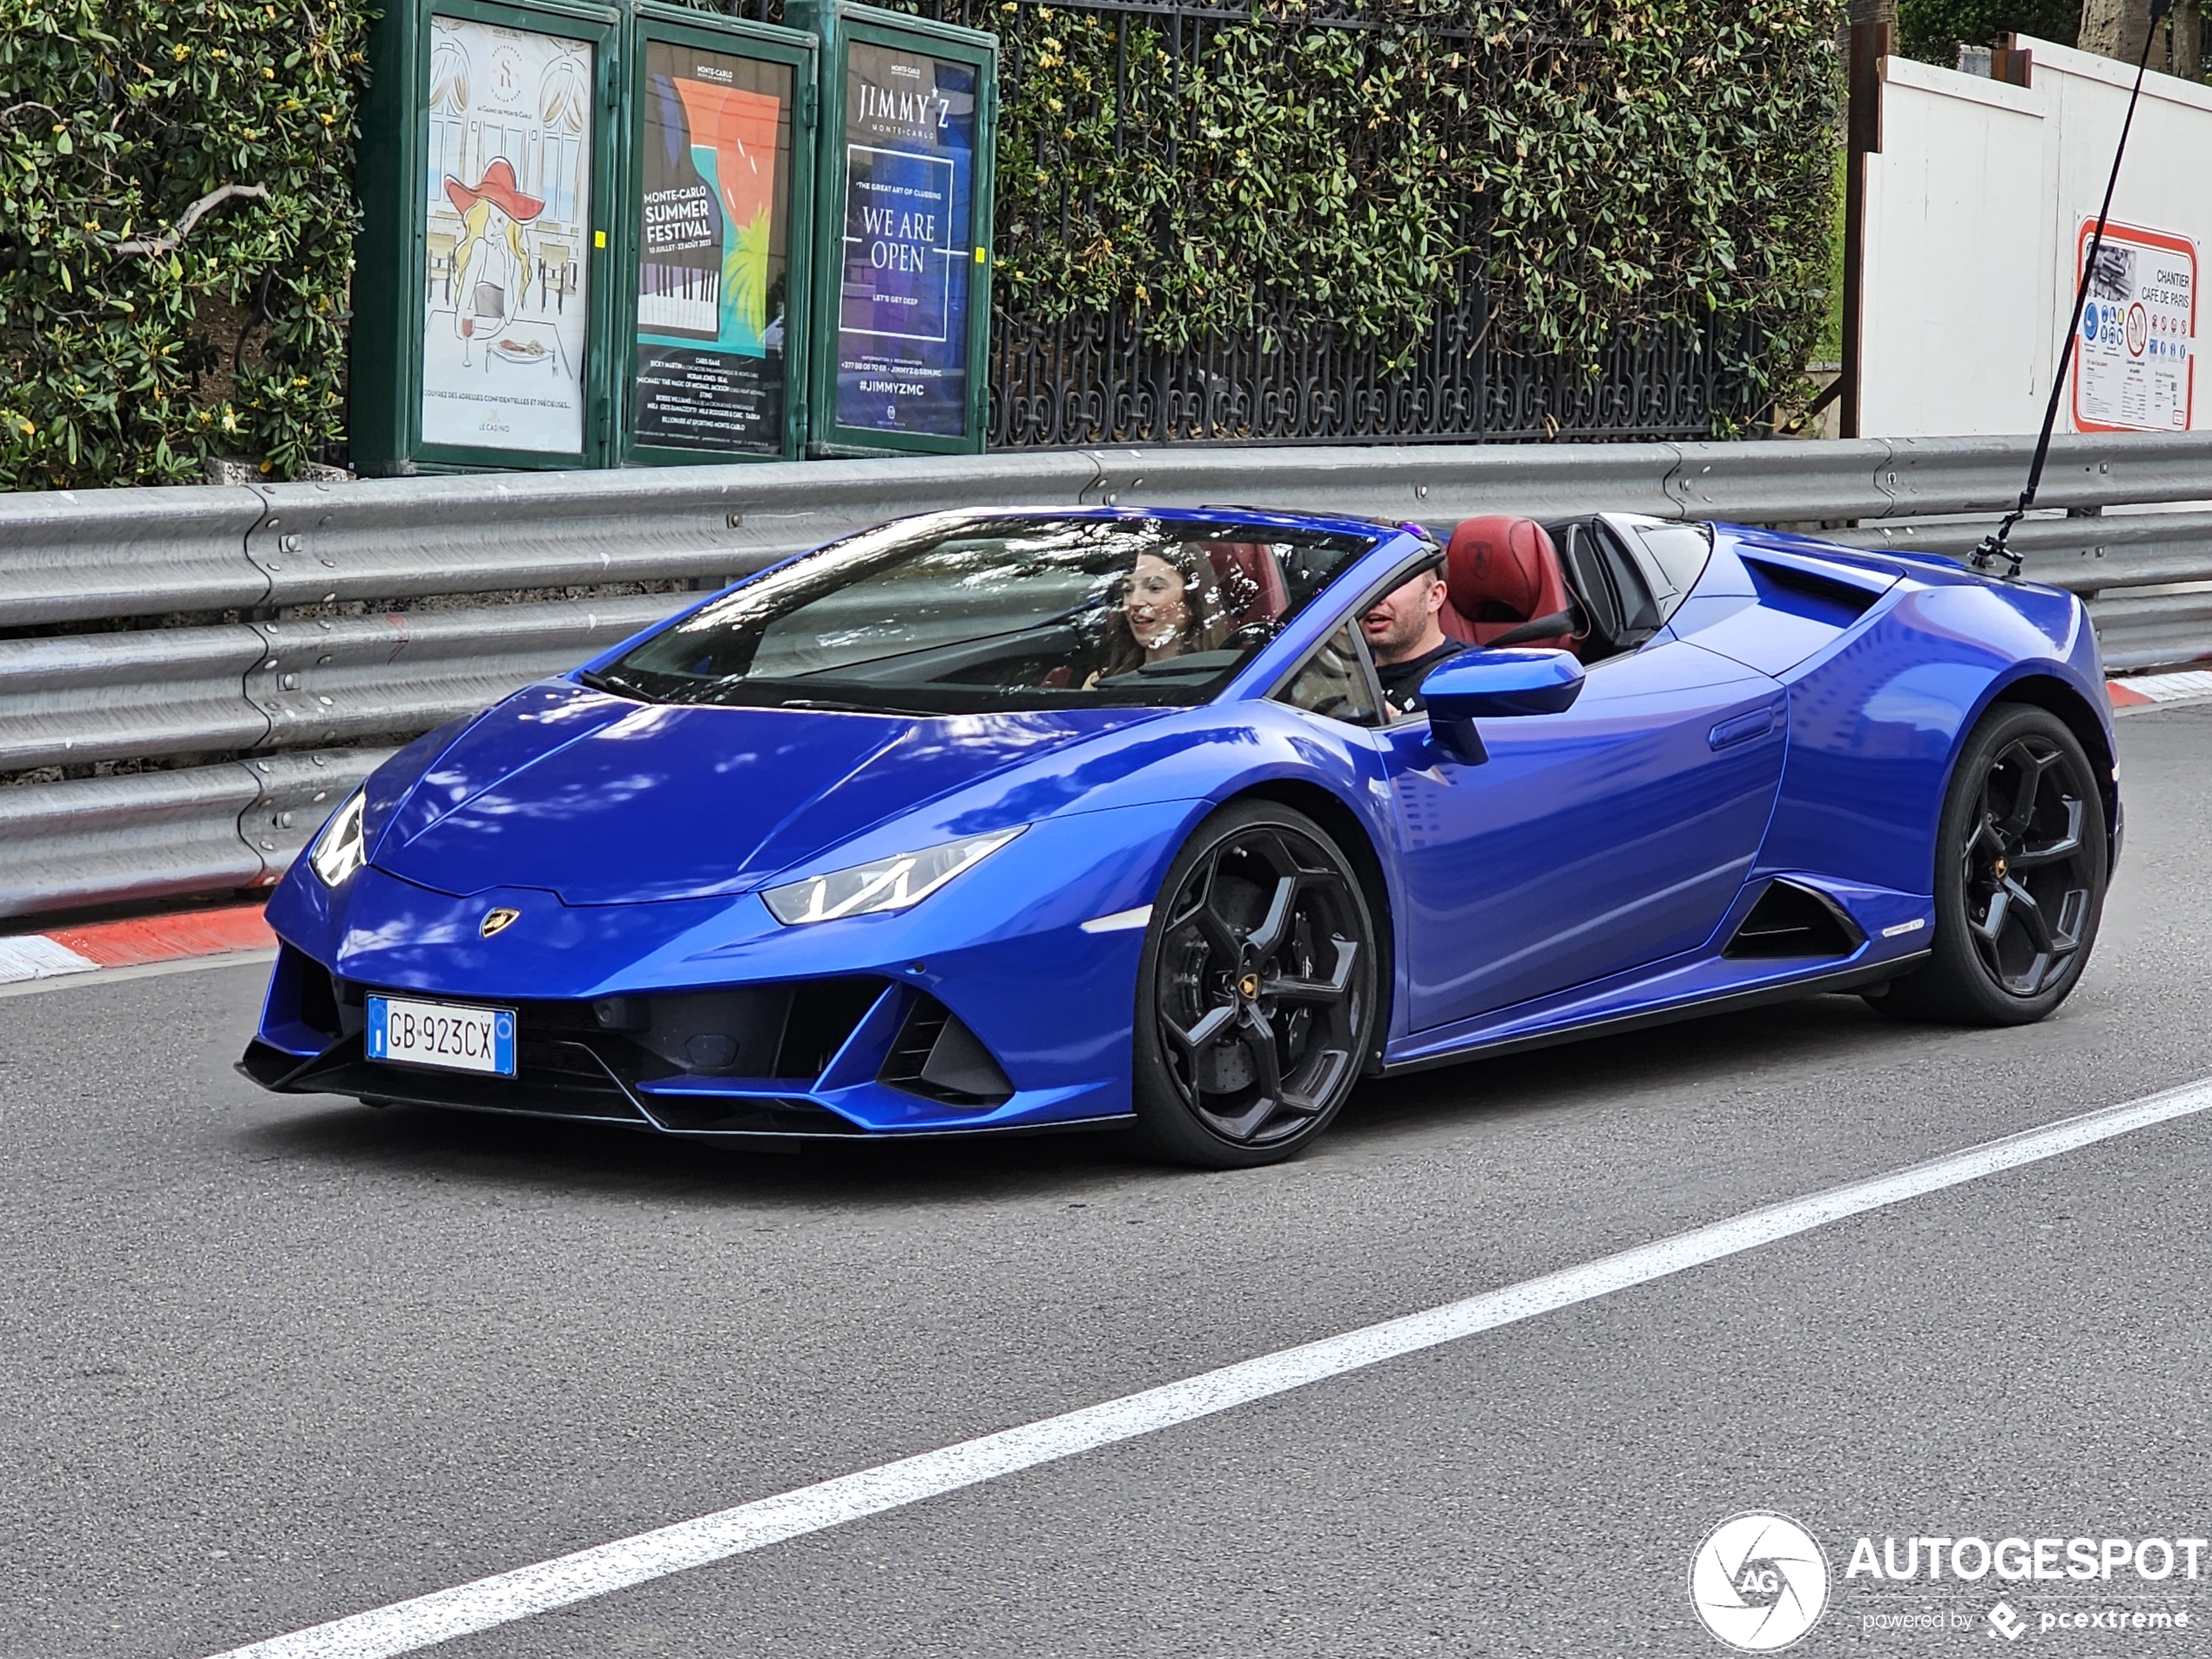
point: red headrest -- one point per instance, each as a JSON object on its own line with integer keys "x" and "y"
{"x": 1499, "y": 573}
{"x": 1249, "y": 579}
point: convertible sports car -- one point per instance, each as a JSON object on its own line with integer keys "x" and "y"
{"x": 1021, "y": 820}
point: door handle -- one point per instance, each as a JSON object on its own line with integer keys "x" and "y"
{"x": 1743, "y": 728}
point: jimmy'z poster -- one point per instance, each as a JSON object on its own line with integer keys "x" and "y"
{"x": 504, "y": 305}
{"x": 908, "y": 254}
{"x": 713, "y": 254}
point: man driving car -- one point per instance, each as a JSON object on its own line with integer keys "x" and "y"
{"x": 1405, "y": 637}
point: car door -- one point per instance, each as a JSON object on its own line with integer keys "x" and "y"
{"x": 1590, "y": 842}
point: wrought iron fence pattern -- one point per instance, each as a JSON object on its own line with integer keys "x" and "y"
{"x": 1101, "y": 375}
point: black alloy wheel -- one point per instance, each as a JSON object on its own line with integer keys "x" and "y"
{"x": 2020, "y": 869}
{"x": 1256, "y": 1001}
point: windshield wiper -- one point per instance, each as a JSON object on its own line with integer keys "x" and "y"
{"x": 832, "y": 705}
{"x": 594, "y": 680}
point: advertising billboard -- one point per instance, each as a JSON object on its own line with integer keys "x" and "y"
{"x": 908, "y": 248}
{"x": 506, "y": 223}
{"x": 626, "y": 234}
{"x": 713, "y": 251}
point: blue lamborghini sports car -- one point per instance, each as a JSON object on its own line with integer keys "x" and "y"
{"x": 1186, "y": 821}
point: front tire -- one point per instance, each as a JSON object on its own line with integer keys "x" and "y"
{"x": 2021, "y": 860}
{"x": 1256, "y": 999}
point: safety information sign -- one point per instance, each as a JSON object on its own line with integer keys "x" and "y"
{"x": 2134, "y": 365}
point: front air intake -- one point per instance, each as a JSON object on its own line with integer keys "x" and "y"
{"x": 789, "y": 1031}
{"x": 939, "y": 1058}
{"x": 1793, "y": 922}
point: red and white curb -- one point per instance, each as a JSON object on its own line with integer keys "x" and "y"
{"x": 2140, "y": 691}
{"x": 134, "y": 943}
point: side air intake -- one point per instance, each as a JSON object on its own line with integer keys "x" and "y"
{"x": 939, "y": 1058}
{"x": 1793, "y": 922}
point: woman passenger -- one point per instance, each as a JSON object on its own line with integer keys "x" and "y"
{"x": 1168, "y": 609}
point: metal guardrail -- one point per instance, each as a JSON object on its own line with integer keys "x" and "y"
{"x": 309, "y": 627}
{"x": 161, "y": 834}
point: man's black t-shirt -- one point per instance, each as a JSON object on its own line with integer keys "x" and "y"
{"x": 1401, "y": 682}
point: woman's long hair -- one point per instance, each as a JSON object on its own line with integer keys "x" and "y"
{"x": 1119, "y": 650}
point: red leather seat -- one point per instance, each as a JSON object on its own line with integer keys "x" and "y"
{"x": 1249, "y": 581}
{"x": 1499, "y": 572}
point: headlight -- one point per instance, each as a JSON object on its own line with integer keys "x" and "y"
{"x": 339, "y": 850}
{"x": 887, "y": 884}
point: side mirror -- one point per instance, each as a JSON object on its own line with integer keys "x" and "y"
{"x": 1493, "y": 684}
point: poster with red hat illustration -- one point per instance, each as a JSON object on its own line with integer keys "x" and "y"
{"x": 497, "y": 186}
{"x": 504, "y": 304}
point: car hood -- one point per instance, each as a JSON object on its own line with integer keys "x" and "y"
{"x": 602, "y": 800}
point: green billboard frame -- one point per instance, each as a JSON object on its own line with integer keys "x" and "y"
{"x": 392, "y": 263}
{"x": 838, "y": 26}
{"x": 706, "y": 31}
{"x": 414, "y": 346}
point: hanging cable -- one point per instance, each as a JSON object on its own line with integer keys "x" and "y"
{"x": 1994, "y": 545}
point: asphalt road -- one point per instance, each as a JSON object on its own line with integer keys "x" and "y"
{"x": 268, "y": 1361}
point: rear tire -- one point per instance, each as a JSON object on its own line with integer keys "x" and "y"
{"x": 2021, "y": 862}
{"x": 1256, "y": 999}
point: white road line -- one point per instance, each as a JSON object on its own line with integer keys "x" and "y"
{"x": 404, "y": 1627}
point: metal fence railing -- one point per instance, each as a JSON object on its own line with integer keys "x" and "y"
{"x": 1135, "y": 89}
{"x": 189, "y": 678}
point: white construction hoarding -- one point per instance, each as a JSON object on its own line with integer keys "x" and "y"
{"x": 1977, "y": 209}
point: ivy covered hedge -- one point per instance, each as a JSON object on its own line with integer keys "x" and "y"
{"x": 1608, "y": 165}
{"x": 176, "y": 209}
{"x": 176, "y": 226}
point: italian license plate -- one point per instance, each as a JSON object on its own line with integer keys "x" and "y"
{"x": 445, "y": 1034}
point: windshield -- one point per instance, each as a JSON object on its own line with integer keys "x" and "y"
{"x": 961, "y": 615}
